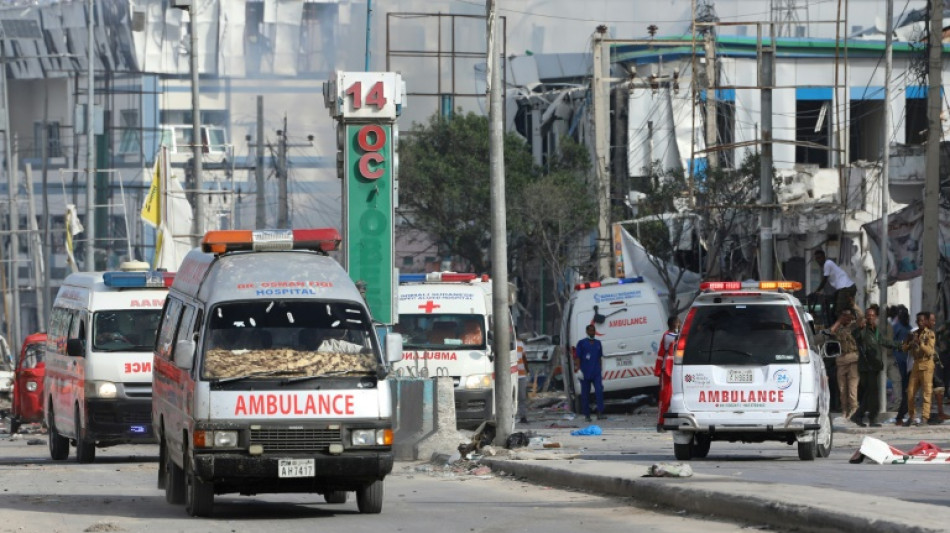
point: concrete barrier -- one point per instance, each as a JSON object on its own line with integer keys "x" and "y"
{"x": 423, "y": 417}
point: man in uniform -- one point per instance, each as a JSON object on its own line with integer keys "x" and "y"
{"x": 589, "y": 355}
{"x": 920, "y": 346}
{"x": 873, "y": 342}
{"x": 847, "y": 362}
{"x": 663, "y": 368}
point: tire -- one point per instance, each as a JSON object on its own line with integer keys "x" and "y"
{"x": 85, "y": 449}
{"x": 825, "y": 440}
{"x": 369, "y": 499}
{"x": 160, "y": 482}
{"x": 14, "y": 425}
{"x": 701, "y": 444}
{"x": 199, "y": 495}
{"x": 58, "y": 444}
{"x": 336, "y": 496}
{"x": 807, "y": 450}
{"x": 683, "y": 452}
{"x": 174, "y": 480}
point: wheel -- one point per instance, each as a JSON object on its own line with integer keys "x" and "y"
{"x": 58, "y": 444}
{"x": 160, "y": 482}
{"x": 174, "y": 479}
{"x": 825, "y": 436}
{"x": 683, "y": 452}
{"x": 807, "y": 450}
{"x": 336, "y": 496}
{"x": 199, "y": 495}
{"x": 14, "y": 425}
{"x": 701, "y": 445}
{"x": 85, "y": 449}
{"x": 369, "y": 499}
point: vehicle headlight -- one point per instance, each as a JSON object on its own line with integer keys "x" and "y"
{"x": 219, "y": 438}
{"x": 101, "y": 389}
{"x": 225, "y": 439}
{"x": 371, "y": 437}
{"x": 31, "y": 386}
{"x": 477, "y": 381}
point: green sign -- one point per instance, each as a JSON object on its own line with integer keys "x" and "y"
{"x": 368, "y": 213}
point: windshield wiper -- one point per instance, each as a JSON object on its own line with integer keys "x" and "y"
{"x": 733, "y": 350}
{"x": 323, "y": 375}
{"x": 257, "y": 374}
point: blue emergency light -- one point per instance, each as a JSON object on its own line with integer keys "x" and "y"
{"x": 138, "y": 280}
{"x": 638, "y": 279}
{"x": 412, "y": 278}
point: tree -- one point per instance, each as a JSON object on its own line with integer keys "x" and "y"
{"x": 444, "y": 183}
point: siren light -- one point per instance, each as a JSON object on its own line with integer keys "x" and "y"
{"x": 739, "y": 285}
{"x": 138, "y": 280}
{"x": 445, "y": 277}
{"x": 223, "y": 241}
{"x": 606, "y": 283}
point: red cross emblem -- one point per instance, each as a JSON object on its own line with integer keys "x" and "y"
{"x": 429, "y": 306}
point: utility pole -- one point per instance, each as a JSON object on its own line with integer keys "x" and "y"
{"x": 504, "y": 413}
{"x": 261, "y": 219}
{"x": 282, "y": 207}
{"x": 885, "y": 183}
{"x": 712, "y": 111}
{"x": 14, "y": 186}
{"x": 36, "y": 251}
{"x": 198, "y": 225}
{"x": 369, "y": 14}
{"x": 932, "y": 180}
{"x": 766, "y": 82}
{"x": 601, "y": 115}
{"x": 90, "y": 262}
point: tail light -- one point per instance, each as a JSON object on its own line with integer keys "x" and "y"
{"x": 800, "y": 341}
{"x": 681, "y": 340}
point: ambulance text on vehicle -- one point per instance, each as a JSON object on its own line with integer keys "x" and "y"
{"x": 445, "y": 319}
{"x": 98, "y": 381}
{"x": 269, "y": 375}
{"x": 629, "y": 319}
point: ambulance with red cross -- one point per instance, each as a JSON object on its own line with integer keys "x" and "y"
{"x": 628, "y": 316}
{"x": 269, "y": 375}
{"x": 446, "y": 319}
{"x": 98, "y": 381}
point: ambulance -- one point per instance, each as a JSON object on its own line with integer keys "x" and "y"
{"x": 269, "y": 375}
{"x": 446, "y": 319}
{"x": 628, "y": 316}
{"x": 98, "y": 381}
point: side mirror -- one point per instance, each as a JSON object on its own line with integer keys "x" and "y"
{"x": 831, "y": 349}
{"x": 393, "y": 347}
{"x": 75, "y": 347}
{"x": 599, "y": 318}
{"x": 185, "y": 354}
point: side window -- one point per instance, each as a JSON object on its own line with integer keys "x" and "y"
{"x": 168, "y": 327}
{"x": 186, "y": 328}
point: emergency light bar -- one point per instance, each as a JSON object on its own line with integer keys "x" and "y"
{"x": 222, "y": 241}
{"x": 607, "y": 283}
{"x": 138, "y": 280}
{"x": 445, "y": 277}
{"x": 739, "y": 285}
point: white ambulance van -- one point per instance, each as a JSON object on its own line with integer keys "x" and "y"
{"x": 629, "y": 319}
{"x": 446, "y": 319}
{"x": 98, "y": 383}
{"x": 269, "y": 375}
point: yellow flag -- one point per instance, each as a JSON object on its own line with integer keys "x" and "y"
{"x": 151, "y": 209}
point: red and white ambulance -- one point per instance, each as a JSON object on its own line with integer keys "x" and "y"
{"x": 98, "y": 382}
{"x": 445, "y": 319}
{"x": 269, "y": 375}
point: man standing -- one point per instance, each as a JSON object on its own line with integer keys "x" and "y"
{"x": 839, "y": 280}
{"x": 920, "y": 347}
{"x": 847, "y": 362}
{"x": 589, "y": 353}
{"x": 663, "y": 368}
{"x": 872, "y": 341}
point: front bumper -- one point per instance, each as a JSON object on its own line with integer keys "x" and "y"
{"x": 120, "y": 421}
{"x": 245, "y": 474}
{"x": 474, "y": 405}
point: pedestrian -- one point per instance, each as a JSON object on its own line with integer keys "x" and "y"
{"x": 847, "y": 362}
{"x": 901, "y": 332}
{"x": 522, "y": 386}
{"x": 838, "y": 279}
{"x": 872, "y": 341}
{"x": 663, "y": 368}
{"x": 941, "y": 370}
{"x": 589, "y": 355}
{"x": 920, "y": 347}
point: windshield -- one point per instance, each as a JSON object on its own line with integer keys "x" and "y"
{"x": 441, "y": 332}
{"x": 740, "y": 335}
{"x": 288, "y": 338}
{"x": 125, "y": 330}
{"x": 33, "y": 355}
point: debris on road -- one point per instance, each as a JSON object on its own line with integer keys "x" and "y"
{"x": 670, "y": 470}
{"x": 592, "y": 429}
{"x": 882, "y": 453}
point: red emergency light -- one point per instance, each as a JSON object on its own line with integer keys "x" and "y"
{"x": 223, "y": 241}
{"x": 742, "y": 285}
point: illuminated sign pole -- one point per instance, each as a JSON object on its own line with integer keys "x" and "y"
{"x": 366, "y": 105}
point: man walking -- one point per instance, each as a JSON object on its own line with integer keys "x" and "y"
{"x": 839, "y": 280}
{"x": 663, "y": 368}
{"x": 920, "y": 347}
{"x": 589, "y": 353}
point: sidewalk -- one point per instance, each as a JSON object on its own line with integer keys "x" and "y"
{"x": 595, "y": 464}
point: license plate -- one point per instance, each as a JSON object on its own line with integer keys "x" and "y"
{"x": 740, "y": 376}
{"x": 625, "y": 361}
{"x": 295, "y": 468}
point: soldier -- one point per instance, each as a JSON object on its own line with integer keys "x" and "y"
{"x": 873, "y": 341}
{"x": 920, "y": 346}
{"x": 847, "y": 362}
{"x": 663, "y": 368}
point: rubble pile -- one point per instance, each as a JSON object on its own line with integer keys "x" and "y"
{"x": 222, "y": 363}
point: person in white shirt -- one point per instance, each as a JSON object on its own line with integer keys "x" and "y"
{"x": 845, "y": 289}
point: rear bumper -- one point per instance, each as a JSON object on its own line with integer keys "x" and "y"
{"x": 120, "y": 421}
{"x": 797, "y": 421}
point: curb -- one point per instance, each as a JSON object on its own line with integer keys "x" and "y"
{"x": 753, "y": 502}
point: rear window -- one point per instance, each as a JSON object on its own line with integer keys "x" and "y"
{"x": 740, "y": 334}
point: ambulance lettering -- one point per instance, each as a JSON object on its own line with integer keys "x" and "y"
{"x": 429, "y": 356}
{"x": 147, "y": 302}
{"x": 752, "y": 396}
{"x": 288, "y": 404}
{"x": 137, "y": 368}
{"x": 622, "y": 322}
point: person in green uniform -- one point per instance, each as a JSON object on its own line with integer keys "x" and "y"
{"x": 872, "y": 342}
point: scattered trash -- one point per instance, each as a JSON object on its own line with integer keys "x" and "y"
{"x": 569, "y": 416}
{"x": 670, "y": 470}
{"x": 552, "y": 444}
{"x": 517, "y": 440}
{"x": 592, "y": 429}
{"x": 882, "y": 453}
{"x": 555, "y": 425}
{"x": 35, "y": 442}
{"x": 485, "y": 434}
